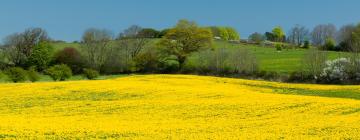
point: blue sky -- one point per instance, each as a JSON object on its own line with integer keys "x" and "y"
{"x": 67, "y": 19}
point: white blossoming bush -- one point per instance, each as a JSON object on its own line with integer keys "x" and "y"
{"x": 336, "y": 70}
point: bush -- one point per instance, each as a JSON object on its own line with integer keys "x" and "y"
{"x": 72, "y": 58}
{"x": 91, "y": 74}
{"x": 33, "y": 75}
{"x": 271, "y": 75}
{"x": 335, "y": 71}
{"x": 329, "y": 44}
{"x": 59, "y": 72}
{"x": 278, "y": 47}
{"x": 169, "y": 64}
{"x": 306, "y": 44}
{"x": 16, "y": 74}
{"x": 300, "y": 77}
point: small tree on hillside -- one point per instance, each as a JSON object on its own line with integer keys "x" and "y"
{"x": 186, "y": 37}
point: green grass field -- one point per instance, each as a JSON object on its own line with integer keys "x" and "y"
{"x": 286, "y": 61}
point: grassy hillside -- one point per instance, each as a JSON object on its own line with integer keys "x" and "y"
{"x": 178, "y": 106}
{"x": 269, "y": 59}
{"x": 285, "y": 61}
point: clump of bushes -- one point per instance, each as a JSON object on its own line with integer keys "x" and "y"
{"x": 91, "y": 74}
{"x": 300, "y": 76}
{"x": 59, "y": 72}
{"x": 278, "y": 47}
{"x": 71, "y": 57}
{"x": 16, "y": 74}
{"x": 329, "y": 44}
{"x": 33, "y": 75}
{"x": 169, "y": 64}
{"x": 306, "y": 44}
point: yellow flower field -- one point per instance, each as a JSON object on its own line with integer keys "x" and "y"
{"x": 177, "y": 107}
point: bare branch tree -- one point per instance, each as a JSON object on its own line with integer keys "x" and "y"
{"x": 96, "y": 45}
{"x": 322, "y": 32}
{"x": 19, "y": 46}
{"x": 298, "y": 34}
{"x": 133, "y": 41}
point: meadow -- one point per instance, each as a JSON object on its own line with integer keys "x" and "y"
{"x": 178, "y": 107}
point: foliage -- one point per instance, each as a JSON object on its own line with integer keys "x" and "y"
{"x": 329, "y": 44}
{"x": 19, "y": 46}
{"x": 59, "y": 72}
{"x": 278, "y": 46}
{"x": 355, "y": 40}
{"x": 322, "y": 32}
{"x": 71, "y": 57}
{"x": 278, "y": 34}
{"x": 300, "y": 76}
{"x": 41, "y": 56}
{"x": 225, "y": 33}
{"x": 224, "y": 60}
{"x": 33, "y": 75}
{"x": 91, "y": 74}
{"x": 335, "y": 71}
{"x": 169, "y": 64}
{"x": 185, "y": 38}
{"x": 306, "y": 44}
{"x": 148, "y": 60}
{"x": 16, "y": 74}
{"x": 149, "y": 33}
{"x": 314, "y": 61}
{"x": 2, "y": 75}
{"x": 232, "y": 33}
{"x": 256, "y": 38}
{"x": 96, "y": 46}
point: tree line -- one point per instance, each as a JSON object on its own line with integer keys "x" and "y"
{"x": 323, "y": 36}
{"x": 184, "y": 48}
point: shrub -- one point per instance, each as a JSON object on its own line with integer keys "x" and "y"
{"x": 33, "y": 75}
{"x": 59, "y": 72}
{"x": 329, "y": 44}
{"x": 271, "y": 75}
{"x": 278, "y": 47}
{"x": 16, "y": 74}
{"x": 91, "y": 74}
{"x": 72, "y": 58}
{"x": 300, "y": 77}
{"x": 169, "y": 64}
{"x": 306, "y": 44}
{"x": 335, "y": 71}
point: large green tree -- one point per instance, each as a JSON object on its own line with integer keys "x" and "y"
{"x": 186, "y": 37}
{"x": 41, "y": 56}
{"x": 278, "y": 34}
{"x": 232, "y": 33}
